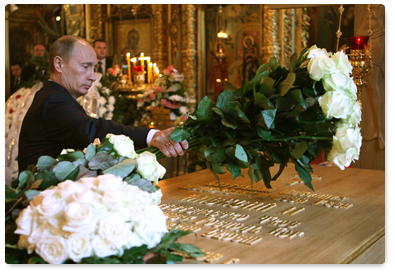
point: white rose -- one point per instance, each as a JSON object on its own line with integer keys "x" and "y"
{"x": 38, "y": 233}
{"x": 314, "y": 51}
{"x": 110, "y": 187}
{"x": 111, "y": 107}
{"x": 336, "y": 104}
{"x": 337, "y": 80}
{"x": 342, "y": 62}
{"x": 123, "y": 145}
{"x": 79, "y": 218}
{"x": 102, "y": 111}
{"x": 48, "y": 203}
{"x": 115, "y": 230}
{"x": 102, "y": 247}
{"x": 320, "y": 66}
{"x": 79, "y": 246}
{"x": 111, "y": 100}
{"x": 67, "y": 188}
{"x": 356, "y": 115}
{"x": 157, "y": 196}
{"x": 52, "y": 249}
{"x": 149, "y": 168}
{"x": 102, "y": 101}
{"x": 152, "y": 226}
{"x": 346, "y": 146}
{"x": 24, "y": 221}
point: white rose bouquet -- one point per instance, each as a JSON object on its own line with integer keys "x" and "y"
{"x": 282, "y": 115}
{"x": 109, "y": 215}
{"x": 76, "y": 220}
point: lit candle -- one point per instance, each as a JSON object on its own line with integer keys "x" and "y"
{"x": 149, "y": 65}
{"x": 129, "y": 70}
{"x": 150, "y": 73}
{"x": 142, "y": 60}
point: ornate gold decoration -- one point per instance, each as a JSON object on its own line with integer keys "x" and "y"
{"x": 95, "y": 17}
{"x": 189, "y": 51}
{"x": 160, "y": 53}
{"x": 174, "y": 11}
{"x": 271, "y": 43}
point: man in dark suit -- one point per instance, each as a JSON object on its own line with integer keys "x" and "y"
{"x": 56, "y": 121}
{"x": 16, "y": 76}
{"x": 103, "y": 62}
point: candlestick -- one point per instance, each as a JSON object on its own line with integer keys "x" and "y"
{"x": 142, "y": 59}
{"x": 149, "y": 64}
{"x": 129, "y": 70}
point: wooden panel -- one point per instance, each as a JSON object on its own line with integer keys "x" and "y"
{"x": 331, "y": 235}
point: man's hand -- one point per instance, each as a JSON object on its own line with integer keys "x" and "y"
{"x": 168, "y": 147}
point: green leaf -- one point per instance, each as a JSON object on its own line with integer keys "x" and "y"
{"x": 71, "y": 156}
{"x": 286, "y": 84}
{"x": 268, "y": 117}
{"x": 179, "y": 135}
{"x": 24, "y": 177}
{"x": 63, "y": 169}
{"x": 240, "y": 153}
{"x": 123, "y": 168}
{"x": 144, "y": 185}
{"x": 304, "y": 174}
{"x": 204, "y": 110}
{"x": 261, "y": 101}
{"x": 299, "y": 150}
{"x": 45, "y": 162}
{"x": 261, "y": 69}
{"x": 266, "y": 85}
{"x": 48, "y": 179}
{"x": 224, "y": 99}
{"x": 293, "y": 60}
{"x": 30, "y": 194}
{"x": 90, "y": 151}
{"x": 265, "y": 134}
{"x": 234, "y": 169}
{"x": 102, "y": 161}
{"x": 273, "y": 63}
{"x": 10, "y": 194}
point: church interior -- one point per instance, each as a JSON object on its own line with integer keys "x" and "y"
{"x": 165, "y": 60}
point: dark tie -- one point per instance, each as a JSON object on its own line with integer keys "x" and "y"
{"x": 99, "y": 69}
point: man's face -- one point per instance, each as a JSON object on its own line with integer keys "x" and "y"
{"x": 39, "y": 50}
{"x": 16, "y": 70}
{"x": 101, "y": 50}
{"x": 78, "y": 73}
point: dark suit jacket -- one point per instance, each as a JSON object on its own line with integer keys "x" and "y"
{"x": 108, "y": 63}
{"x": 56, "y": 121}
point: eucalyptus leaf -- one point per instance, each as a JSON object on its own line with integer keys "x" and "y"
{"x": 102, "y": 161}
{"x": 144, "y": 185}
{"x": 45, "y": 162}
{"x": 24, "y": 177}
{"x": 30, "y": 194}
{"x": 90, "y": 151}
{"x": 123, "y": 168}
{"x": 268, "y": 117}
{"x": 63, "y": 169}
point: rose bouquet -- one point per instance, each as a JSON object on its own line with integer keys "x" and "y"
{"x": 109, "y": 215}
{"x": 168, "y": 92}
{"x": 107, "y": 87}
{"x": 282, "y": 115}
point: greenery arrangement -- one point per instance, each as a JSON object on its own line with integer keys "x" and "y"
{"x": 282, "y": 115}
